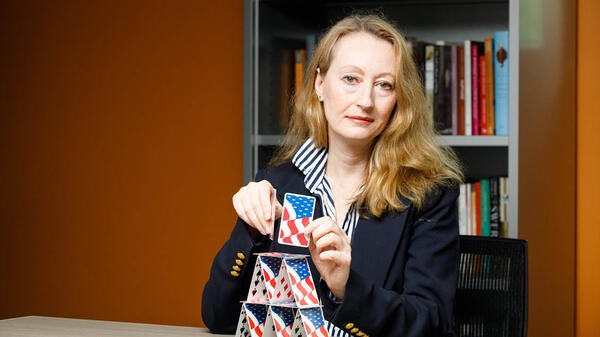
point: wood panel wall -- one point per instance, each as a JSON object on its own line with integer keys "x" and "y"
{"x": 588, "y": 164}
{"x": 547, "y": 161}
{"x": 121, "y": 146}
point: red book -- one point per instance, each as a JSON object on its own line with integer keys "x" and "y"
{"x": 477, "y": 208}
{"x": 483, "y": 122}
{"x": 489, "y": 75}
{"x": 475, "y": 88}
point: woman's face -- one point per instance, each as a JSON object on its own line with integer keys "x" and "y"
{"x": 358, "y": 91}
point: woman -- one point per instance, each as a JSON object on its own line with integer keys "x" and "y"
{"x": 384, "y": 242}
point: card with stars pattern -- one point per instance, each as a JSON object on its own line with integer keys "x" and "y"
{"x": 298, "y": 212}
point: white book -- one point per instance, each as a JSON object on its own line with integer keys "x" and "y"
{"x": 462, "y": 209}
{"x": 468, "y": 207}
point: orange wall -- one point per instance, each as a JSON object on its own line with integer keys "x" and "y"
{"x": 588, "y": 163}
{"x": 547, "y": 161}
{"x": 121, "y": 145}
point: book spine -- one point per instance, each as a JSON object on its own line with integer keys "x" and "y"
{"x": 489, "y": 66}
{"x": 471, "y": 209}
{"x": 429, "y": 79}
{"x": 462, "y": 209}
{"x": 485, "y": 207}
{"x": 494, "y": 209}
{"x": 483, "y": 127}
{"x": 477, "y": 206}
{"x": 468, "y": 91}
{"x": 475, "y": 88}
{"x": 454, "y": 88}
{"x": 437, "y": 83}
{"x": 461, "y": 89}
{"x": 443, "y": 88}
{"x": 501, "y": 81}
{"x": 300, "y": 58}
{"x": 504, "y": 206}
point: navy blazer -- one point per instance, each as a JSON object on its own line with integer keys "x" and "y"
{"x": 403, "y": 272}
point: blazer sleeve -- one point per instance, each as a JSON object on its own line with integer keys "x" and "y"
{"x": 229, "y": 280}
{"x": 423, "y": 307}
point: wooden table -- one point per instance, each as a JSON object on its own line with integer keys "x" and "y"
{"x": 38, "y": 326}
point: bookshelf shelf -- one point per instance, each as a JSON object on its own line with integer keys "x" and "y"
{"x": 475, "y": 140}
{"x": 273, "y": 29}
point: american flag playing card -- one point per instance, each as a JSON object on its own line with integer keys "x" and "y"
{"x": 283, "y": 320}
{"x": 313, "y": 321}
{"x": 303, "y": 287}
{"x": 278, "y": 288}
{"x": 298, "y": 211}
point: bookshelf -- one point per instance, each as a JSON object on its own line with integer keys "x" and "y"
{"x": 273, "y": 28}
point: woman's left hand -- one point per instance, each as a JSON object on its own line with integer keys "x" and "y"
{"x": 330, "y": 251}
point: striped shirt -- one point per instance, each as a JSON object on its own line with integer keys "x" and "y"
{"x": 311, "y": 161}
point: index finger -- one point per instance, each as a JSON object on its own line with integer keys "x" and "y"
{"x": 309, "y": 229}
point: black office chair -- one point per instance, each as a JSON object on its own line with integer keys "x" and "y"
{"x": 491, "y": 298}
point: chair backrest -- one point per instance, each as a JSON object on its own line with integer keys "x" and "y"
{"x": 491, "y": 298}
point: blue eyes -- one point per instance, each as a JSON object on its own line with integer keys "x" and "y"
{"x": 385, "y": 85}
{"x": 352, "y": 80}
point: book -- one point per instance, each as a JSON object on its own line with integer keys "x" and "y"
{"x": 442, "y": 91}
{"x": 467, "y": 86}
{"x": 299, "y": 60}
{"x": 485, "y": 206}
{"x": 476, "y": 47}
{"x": 489, "y": 72}
{"x": 483, "y": 122}
{"x": 474, "y": 209}
{"x": 468, "y": 203}
{"x": 454, "y": 88}
{"x": 494, "y": 207}
{"x": 462, "y": 210}
{"x": 501, "y": 82}
{"x": 461, "y": 89}
{"x": 503, "y": 207}
{"x": 429, "y": 77}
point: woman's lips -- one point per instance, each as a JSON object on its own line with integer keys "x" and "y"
{"x": 361, "y": 120}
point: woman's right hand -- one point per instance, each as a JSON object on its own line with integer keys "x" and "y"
{"x": 257, "y": 205}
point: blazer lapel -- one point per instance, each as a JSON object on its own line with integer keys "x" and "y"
{"x": 374, "y": 245}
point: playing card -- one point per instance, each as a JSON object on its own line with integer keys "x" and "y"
{"x": 274, "y": 274}
{"x": 313, "y": 321}
{"x": 283, "y": 320}
{"x": 298, "y": 211}
{"x": 242, "y": 328}
{"x": 303, "y": 286}
{"x": 257, "y": 293}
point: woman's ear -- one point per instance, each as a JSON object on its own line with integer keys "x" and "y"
{"x": 319, "y": 84}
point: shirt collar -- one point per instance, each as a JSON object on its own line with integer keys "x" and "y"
{"x": 311, "y": 161}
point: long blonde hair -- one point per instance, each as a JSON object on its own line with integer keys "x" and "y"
{"x": 407, "y": 160}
